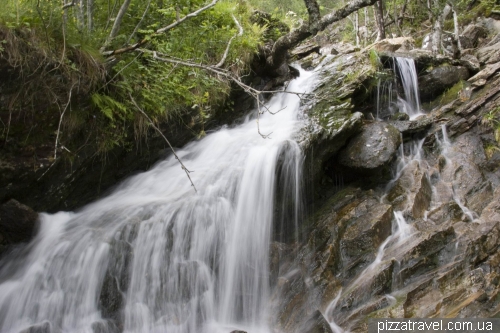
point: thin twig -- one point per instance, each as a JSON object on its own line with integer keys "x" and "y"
{"x": 121, "y": 70}
{"x": 226, "y": 52}
{"x": 140, "y": 22}
{"x": 193, "y": 14}
{"x": 166, "y": 140}
{"x": 69, "y": 4}
{"x": 144, "y": 41}
{"x": 60, "y": 121}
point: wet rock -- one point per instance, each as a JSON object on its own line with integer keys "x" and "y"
{"x": 366, "y": 231}
{"x": 401, "y": 116}
{"x": 18, "y": 223}
{"x": 44, "y": 327}
{"x": 317, "y": 324}
{"x": 423, "y": 58}
{"x": 437, "y": 80}
{"x": 373, "y": 149}
{"x": 412, "y": 126}
{"x": 449, "y": 211}
{"x": 304, "y": 50}
{"x": 322, "y": 143}
{"x": 424, "y": 256}
{"x": 423, "y": 196}
{"x": 412, "y": 192}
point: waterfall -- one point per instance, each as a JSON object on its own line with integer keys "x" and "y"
{"x": 384, "y": 99}
{"x": 407, "y": 71}
{"x": 387, "y": 103}
{"x": 154, "y": 256}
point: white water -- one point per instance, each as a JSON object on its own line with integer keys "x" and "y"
{"x": 180, "y": 261}
{"x": 384, "y": 101}
{"x": 410, "y": 104}
{"x": 388, "y": 103}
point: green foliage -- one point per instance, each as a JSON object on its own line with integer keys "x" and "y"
{"x": 492, "y": 120}
{"x": 43, "y": 41}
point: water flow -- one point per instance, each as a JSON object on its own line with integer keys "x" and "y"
{"x": 156, "y": 257}
{"x": 410, "y": 104}
{"x": 384, "y": 100}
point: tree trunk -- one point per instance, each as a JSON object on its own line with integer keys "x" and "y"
{"x": 380, "y": 20}
{"x": 367, "y": 31}
{"x": 456, "y": 29}
{"x": 437, "y": 30}
{"x": 118, "y": 20}
{"x": 356, "y": 27}
{"x": 314, "y": 15}
{"x": 79, "y": 15}
{"x": 90, "y": 8}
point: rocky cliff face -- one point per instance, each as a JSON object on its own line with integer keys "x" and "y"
{"x": 425, "y": 243}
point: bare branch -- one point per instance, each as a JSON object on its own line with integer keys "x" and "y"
{"x": 193, "y": 14}
{"x": 166, "y": 140}
{"x": 60, "y": 122}
{"x": 69, "y": 4}
{"x": 314, "y": 15}
{"x": 117, "y": 23}
{"x": 226, "y": 52}
{"x": 58, "y": 132}
{"x": 144, "y": 41}
{"x": 140, "y": 22}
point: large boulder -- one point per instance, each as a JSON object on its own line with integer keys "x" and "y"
{"x": 17, "y": 223}
{"x": 373, "y": 149}
{"x": 437, "y": 80}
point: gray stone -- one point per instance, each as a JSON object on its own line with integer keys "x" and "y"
{"x": 434, "y": 83}
{"x": 304, "y": 50}
{"x": 366, "y": 231}
{"x": 373, "y": 148}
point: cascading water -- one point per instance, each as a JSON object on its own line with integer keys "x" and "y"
{"x": 155, "y": 256}
{"x": 384, "y": 100}
{"x": 410, "y": 104}
{"x": 387, "y": 102}
{"x": 401, "y": 230}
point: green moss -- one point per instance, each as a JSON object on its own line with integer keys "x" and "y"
{"x": 448, "y": 96}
